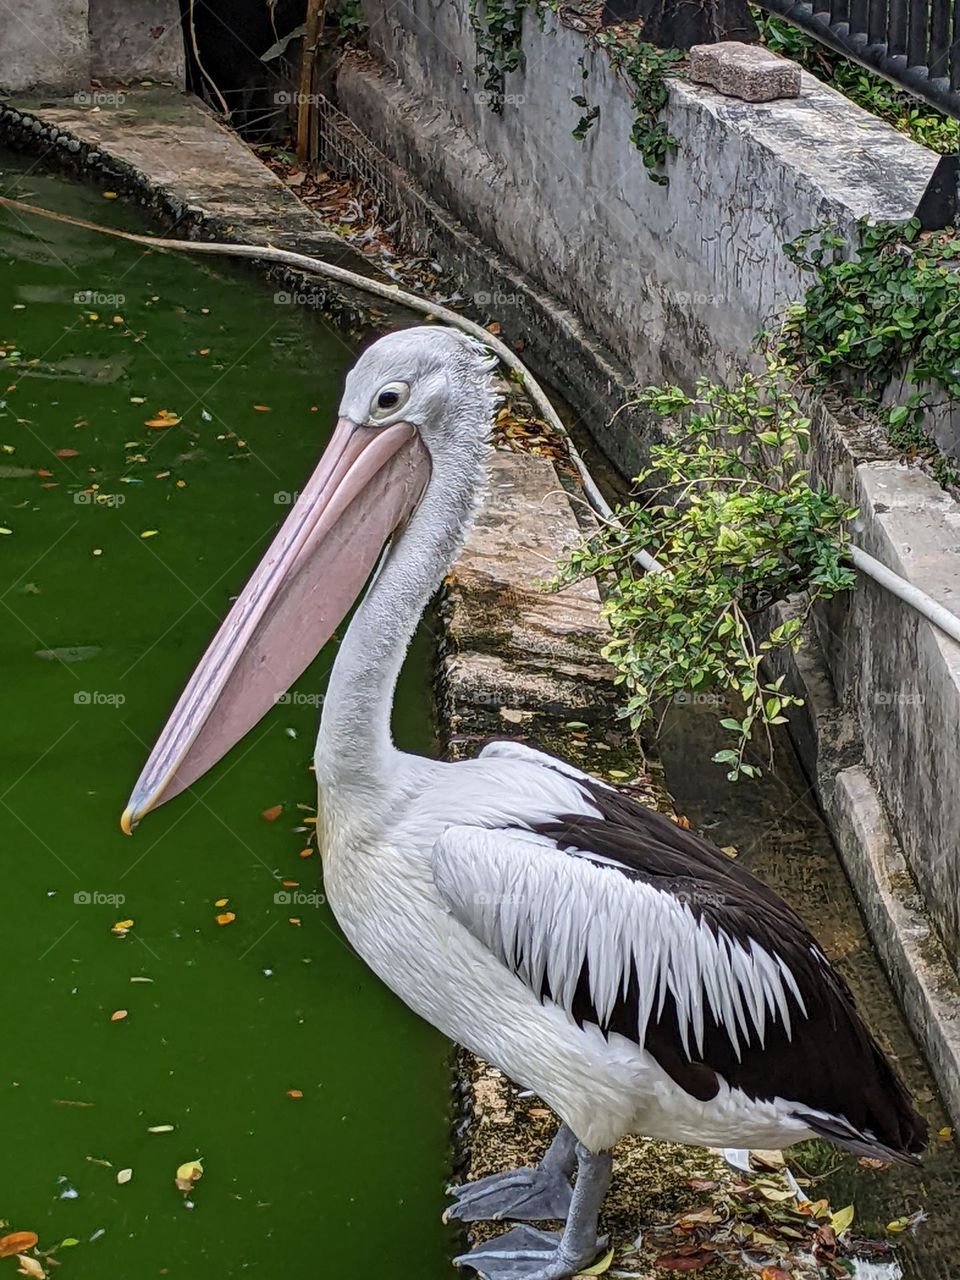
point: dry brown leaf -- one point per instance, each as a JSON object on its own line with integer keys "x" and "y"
{"x": 30, "y": 1267}
{"x": 17, "y": 1242}
{"x": 685, "y": 1261}
{"x": 294, "y": 1093}
{"x": 119, "y": 1015}
{"x": 226, "y": 917}
{"x": 273, "y": 813}
{"x": 66, "y": 453}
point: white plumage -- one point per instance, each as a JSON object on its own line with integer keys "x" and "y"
{"x": 618, "y": 966}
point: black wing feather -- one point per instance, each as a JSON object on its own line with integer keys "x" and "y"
{"x": 829, "y": 1063}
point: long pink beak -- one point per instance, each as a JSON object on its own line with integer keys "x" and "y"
{"x": 365, "y": 486}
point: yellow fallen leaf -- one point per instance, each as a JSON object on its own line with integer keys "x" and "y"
{"x": 16, "y": 1242}
{"x": 295, "y": 920}
{"x": 149, "y": 533}
{"x": 226, "y": 917}
{"x": 188, "y": 1174}
{"x": 221, "y": 902}
{"x": 842, "y": 1219}
{"x": 294, "y": 1093}
{"x": 109, "y": 195}
{"x": 599, "y": 1268}
{"x": 122, "y": 926}
{"x": 30, "y": 1267}
{"x": 119, "y": 1015}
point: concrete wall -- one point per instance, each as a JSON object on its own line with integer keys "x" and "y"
{"x": 676, "y": 280}
{"x": 676, "y": 283}
{"x": 44, "y": 44}
{"x": 61, "y": 44}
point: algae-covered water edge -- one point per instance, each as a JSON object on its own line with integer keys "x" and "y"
{"x": 157, "y": 418}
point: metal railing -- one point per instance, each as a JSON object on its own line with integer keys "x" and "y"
{"x": 913, "y": 43}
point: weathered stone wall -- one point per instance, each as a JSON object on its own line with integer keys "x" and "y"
{"x": 62, "y": 44}
{"x": 676, "y": 280}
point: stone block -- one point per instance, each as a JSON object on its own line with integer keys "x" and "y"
{"x": 744, "y": 71}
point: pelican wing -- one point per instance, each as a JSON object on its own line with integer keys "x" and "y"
{"x": 628, "y": 921}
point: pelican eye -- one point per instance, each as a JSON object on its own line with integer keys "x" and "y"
{"x": 390, "y": 398}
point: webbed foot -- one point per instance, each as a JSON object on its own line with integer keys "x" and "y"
{"x": 525, "y": 1253}
{"x": 532, "y": 1195}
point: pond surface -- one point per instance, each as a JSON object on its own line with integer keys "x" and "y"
{"x": 779, "y": 832}
{"x": 122, "y": 545}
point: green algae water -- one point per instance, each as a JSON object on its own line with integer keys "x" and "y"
{"x": 259, "y": 1048}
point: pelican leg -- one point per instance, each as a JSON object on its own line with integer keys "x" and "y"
{"x": 525, "y": 1253}
{"x": 532, "y": 1195}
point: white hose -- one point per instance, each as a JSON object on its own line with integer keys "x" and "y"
{"x": 933, "y": 611}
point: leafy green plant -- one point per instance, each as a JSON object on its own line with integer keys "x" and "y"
{"x": 497, "y": 27}
{"x": 726, "y": 506}
{"x": 350, "y": 21}
{"x": 644, "y": 67}
{"x": 887, "y": 307}
{"x": 918, "y": 120}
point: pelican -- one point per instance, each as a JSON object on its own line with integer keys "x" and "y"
{"x": 619, "y": 966}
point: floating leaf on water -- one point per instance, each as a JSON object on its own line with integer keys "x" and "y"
{"x": 161, "y": 420}
{"x": 306, "y": 853}
{"x": 4, "y": 529}
{"x": 294, "y": 1093}
{"x": 141, "y": 979}
{"x": 138, "y": 399}
{"x": 296, "y": 920}
{"x": 262, "y": 408}
{"x": 69, "y": 1242}
{"x": 17, "y": 1242}
{"x": 69, "y": 653}
{"x": 122, "y": 928}
{"x": 30, "y": 1267}
{"x": 226, "y": 917}
{"x": 119, "y": 1015}
{"x": 66, "y": 453}
{"x": 124, "y": 1176}
{"x": 161, "y": 1128}
{"x": 109, "y": 195}
{"x": 149, "y": 533}
{"x": 273, "y": 813}
{"x": 290, "y": 884}
{"x": 221, "y": 902}
{"x": 188, "y": 1174}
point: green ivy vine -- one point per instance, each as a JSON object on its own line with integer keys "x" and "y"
{"x": 886, "y": 307}
{"x": 725, "y": 504}
{"x": 497, "y": 27}
{"x": 645, "y": 68}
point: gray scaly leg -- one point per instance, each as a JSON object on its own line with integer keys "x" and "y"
{"x": 526, "y": 1253}
{"x": 532, "y": 1195}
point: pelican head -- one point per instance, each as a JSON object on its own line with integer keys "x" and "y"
{"x": 414, "y": 418}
